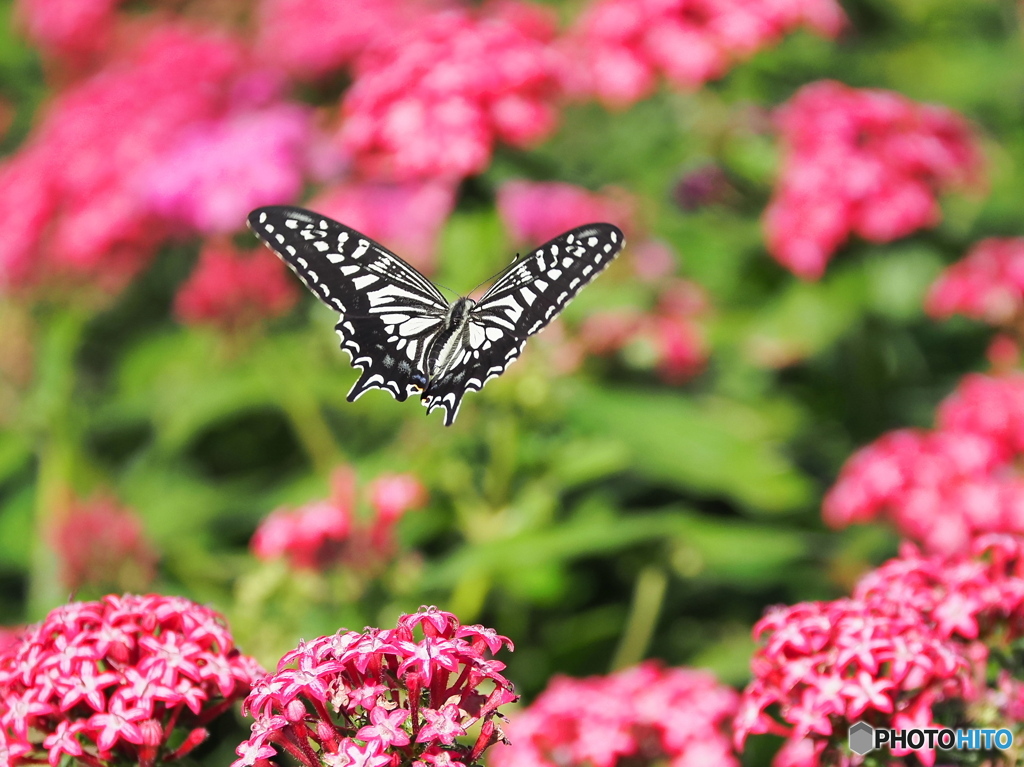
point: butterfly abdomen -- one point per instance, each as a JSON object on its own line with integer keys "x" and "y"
{"x": 447, "y": 345}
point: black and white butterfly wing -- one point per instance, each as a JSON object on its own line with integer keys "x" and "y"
{"x": 522, "y": 302}
{"x": 389, "y": 312}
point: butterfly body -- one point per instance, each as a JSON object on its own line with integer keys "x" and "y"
{"x": 398, "y": 328}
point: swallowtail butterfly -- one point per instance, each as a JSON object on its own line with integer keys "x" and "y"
{"x": 399, "y": 329}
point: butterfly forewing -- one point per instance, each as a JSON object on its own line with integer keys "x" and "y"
{"x": 522, "y": 302}
{"x": 389, "y": 312}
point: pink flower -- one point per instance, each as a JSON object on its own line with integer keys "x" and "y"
{"x": 80, "y": 181}
{"x": 535, "y": 212}
{"x": 864, "y": 162}
{"x": 230, "y": 289}
{"x": 69, "y": 29}
{"x": 643, "y": 715}
{"x": 432, "y": 101}
{"x": 101, "y": 544}
{"x": 101, "y": 676}
{"x": 313, "y": 38}
{"x": 329, "y": 533}
{"x": 414, "y": 716}
{"x": 944, "y": 487}
{"x": 821, "y": 666}
{"x": 987, "y": 285}
{"x": 405, "y": 217}
{"x": 216, "y": 172}
{"x": 620, "y": 47}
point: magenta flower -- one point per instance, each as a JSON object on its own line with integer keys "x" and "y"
{"x": 233, "y": 290}
{"x": 329, "y": 533}
{"x": 864, "y": 162}
{"x": 217, "y": 171}
{"x": 987, "y": 285}
{"x": 117, "y": 680}
{"x": 945, "y": 487}
{"x": 431, "y": 681}
{"x": 405, "y": 217}
{"x": 534, "y": 212}
{"x": 821, "y": 666}
{"x": 69, "y": 29}
{"x": 432, "y": 100}
{"x": 622, "y": 46}
{"x": 646, "y": 715}
{"x": 103, "y": 545}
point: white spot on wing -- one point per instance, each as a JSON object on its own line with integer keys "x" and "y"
{"x": 360, "y": 283}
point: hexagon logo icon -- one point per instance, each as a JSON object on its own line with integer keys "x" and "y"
{"x": 862, "y": 737}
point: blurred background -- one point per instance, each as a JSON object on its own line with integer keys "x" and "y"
{"x": 649, "y": 476}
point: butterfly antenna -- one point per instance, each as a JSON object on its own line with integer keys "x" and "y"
{"x": 499, "y": 275}
{"x": 453, "y": 292}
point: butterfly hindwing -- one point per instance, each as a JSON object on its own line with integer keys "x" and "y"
{"x": 522, "y": 302}
{"x": 389, "y": 312}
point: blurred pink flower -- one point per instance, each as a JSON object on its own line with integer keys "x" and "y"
{"x": 118, "y": 681}
{"x": 536, "y": 211}
{"x": 216, "y": 172}
{"x": 946, "y": 487}
{"x": 398, "y": 696}
{"x": 78, "y": 209}
{"x": 71, "y": 29}
{"x": 821, "y": 666}
{"x": 645, "y": 715}
{"x": 988, "y": 284}
{"x": 325, "y": 534}
{"x": 433, "y": 100}
{"x": 103, "y": 545}
{"x": 864, "y": 162}
{"x": 405, "y": 217}
{"x": 313, "y": 38}
{"x": 620, "y": 47}
{"x": 231, "y": 289}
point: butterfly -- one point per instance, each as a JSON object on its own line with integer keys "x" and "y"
{"x": 399, "y": 330}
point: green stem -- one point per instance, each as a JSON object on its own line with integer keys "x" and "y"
{"x": 52, "y": 418}
{"x": 648, "y": 597}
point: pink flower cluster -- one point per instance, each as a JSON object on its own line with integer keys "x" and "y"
{"x": 671, "y": 338}
{"x": 118, "y": 681}
{"x": 644, "y": 715}
{"x": 623, "y": 45}
{"x": 327, "y": 533}
{"x": 77, "y": 201}
{"x": 232, "y": 290}
{"x": 946, "y": 486}
{"x": 103, "y": 545}
{"x": 69, "y": 29}
{"x": 825, "y": 665}
{"x": 978, "y": 595}
{"x": 988, "y": 284}
{"x": 432, "y": 101}
{"x": 864, "y": 162}
{"x": 314, "y": 38}
{"x": 382, "y": 697}
{"x": 534, "y": 212}
{"x": 405, "y": 217}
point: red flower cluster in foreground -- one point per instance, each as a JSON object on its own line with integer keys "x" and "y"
{"x": 117, "y": 681}
{"x": 864, "y": 162}
{"x": 327, "y": 533}
{"x": 943, "y": 487}
{"x": 645, "y": 715}
{"x": 921, "y": 630}
{"x": 826, "y": 665}
{"x": 382, "y": 697}
{"x": 625, "y": 44}
{"x": 230, "y": 289}
{"x": 988, "y": 284}
{"x": 103, "y": 545}
{"x": 434, "y": 100}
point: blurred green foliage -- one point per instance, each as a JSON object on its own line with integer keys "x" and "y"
{"x": 595, "y": 518}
